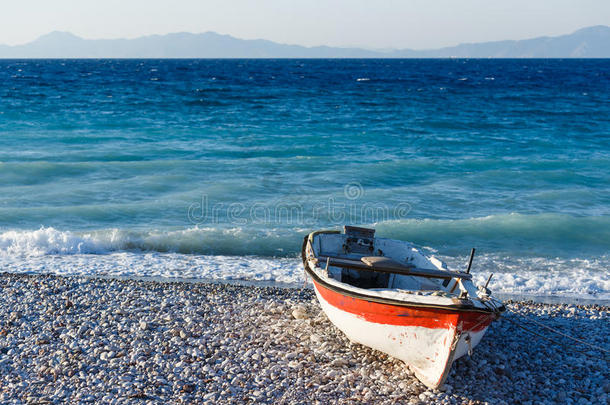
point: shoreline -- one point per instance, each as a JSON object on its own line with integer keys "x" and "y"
{"x": 81, "y": 339}
{"x": 520, "y": 297}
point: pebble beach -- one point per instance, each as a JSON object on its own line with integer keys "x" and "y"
{"x": 90, "y": 340}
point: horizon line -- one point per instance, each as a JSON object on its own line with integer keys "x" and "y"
{"x": 354, "y": 47}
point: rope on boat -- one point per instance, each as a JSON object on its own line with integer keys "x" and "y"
{"x": 560, "y": 333}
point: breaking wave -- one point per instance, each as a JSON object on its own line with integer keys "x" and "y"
{"x": 246, "y": 253}
{"x": 518, "y": 234}
{"x": 542, "y": 235}
{"x": 215, "y": 241}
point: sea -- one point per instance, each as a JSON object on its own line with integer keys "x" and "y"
{"x": 217, "y": 169}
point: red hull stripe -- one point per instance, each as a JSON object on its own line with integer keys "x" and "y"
{"x": 405, "y": 316}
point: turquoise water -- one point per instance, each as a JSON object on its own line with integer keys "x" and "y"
{"x": 205, "y": 161}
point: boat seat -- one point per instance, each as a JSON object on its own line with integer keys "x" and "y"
{"x": 385, "y": 263}
{"x": 347, "y": 256}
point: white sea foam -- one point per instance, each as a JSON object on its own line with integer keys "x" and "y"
{"x": 202, "y": 240}
{"x": 160, "y": 265}
{"x": 559, "y": 278}
{"x": 45, "y": 241}
{"x": 540, "y": 276}
{"x": 120, "y": 253}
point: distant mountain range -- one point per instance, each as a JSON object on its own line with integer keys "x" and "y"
{"x": 591, "y": 42}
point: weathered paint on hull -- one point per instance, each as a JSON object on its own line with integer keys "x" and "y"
{"x": 427, "y": 339}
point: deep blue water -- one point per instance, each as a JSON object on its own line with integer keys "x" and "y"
{"x": 243, "y": 157}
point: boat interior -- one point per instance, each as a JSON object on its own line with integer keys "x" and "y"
{"x": 357, "y": 258}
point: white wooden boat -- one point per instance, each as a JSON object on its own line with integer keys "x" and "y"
{"x": 391, "y": 296}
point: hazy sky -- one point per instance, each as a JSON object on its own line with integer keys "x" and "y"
{"x": 366, "y": 23}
